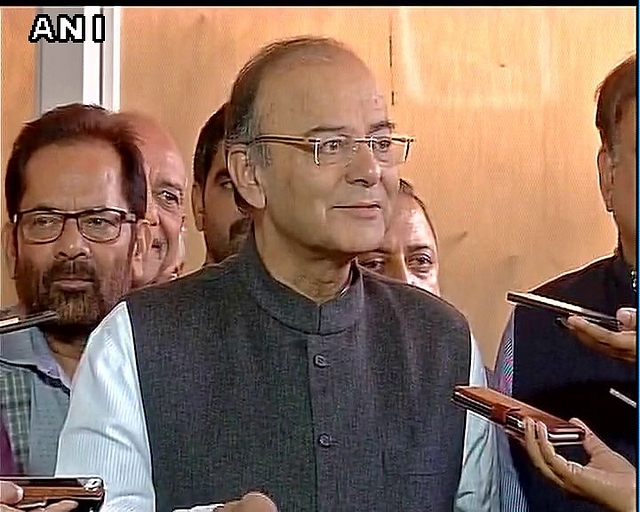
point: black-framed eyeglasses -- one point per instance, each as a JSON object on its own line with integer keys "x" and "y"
{"x": 100, "y": 225}
{"x": 388, "y": 150}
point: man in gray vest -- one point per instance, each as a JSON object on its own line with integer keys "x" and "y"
{"x": 287, "y": 369}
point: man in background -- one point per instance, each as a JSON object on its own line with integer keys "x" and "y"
{"x": 212, "y": 199}
{"x": 167, "y": 181}
{"x": 76, "y": 195}
{"x": 541, "y": 362}
{"x": 409, "y": 251}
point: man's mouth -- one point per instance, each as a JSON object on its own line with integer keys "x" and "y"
{"x": 80, "y": 276}
{"x": 73, "y": 283}
{"x": 362, "y": 210}
{"x": 364, "y": 205}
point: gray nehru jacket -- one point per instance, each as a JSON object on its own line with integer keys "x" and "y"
{"x": 344, "y": 407}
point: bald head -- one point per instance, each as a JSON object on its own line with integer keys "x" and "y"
{"x": 242, "y": 116}
{"x": 156, "y": 143}
{"x": 166, "y": 175}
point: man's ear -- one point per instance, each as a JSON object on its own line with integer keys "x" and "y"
{"x": 245, "y": 175}
{"x": 197, "y": 205}
{"x": 9, "y": 248}
{"x": 606, "y": 170}
{"x": 141, "y": 248}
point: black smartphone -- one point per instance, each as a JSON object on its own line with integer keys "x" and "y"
{"x": 564, "y": 309}
{"x": 40, "y": 492}
{"x": 11, "y": 321}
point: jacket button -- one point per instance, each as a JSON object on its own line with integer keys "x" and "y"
{"x": 324, "y": 440}
{"x": 320, "y": 361}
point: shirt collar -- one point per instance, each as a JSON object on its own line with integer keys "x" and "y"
{"x": 292, "y": 308}
{"x": 28, "y": 348}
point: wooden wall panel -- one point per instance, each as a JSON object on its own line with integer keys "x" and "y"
{"x": 18, "y": 102}
{"x": 502, "y": 104}
{"x": 179, "y": 64}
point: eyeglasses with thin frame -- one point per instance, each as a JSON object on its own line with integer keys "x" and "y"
{"x": 388, "y": 150}
{"x": 99, "y": 225}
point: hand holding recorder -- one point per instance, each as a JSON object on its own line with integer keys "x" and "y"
{"x": 46, "y": 494}
{"x": 620, "y": 345}
{"x": 614, "y": 336}
{"x": 609, "y": 479}
{"x": 510, "y": 414}
{"x": 11, "y": 495}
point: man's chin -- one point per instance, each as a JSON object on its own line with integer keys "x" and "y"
{"x": 76, "y": 310}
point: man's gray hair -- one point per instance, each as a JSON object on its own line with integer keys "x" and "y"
{"x": 242, "y": 123}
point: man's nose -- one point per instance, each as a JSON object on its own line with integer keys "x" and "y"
{"x": 71, "y": 244}
{"x": 364, "y": 168}
{"x": 152, "y": 212}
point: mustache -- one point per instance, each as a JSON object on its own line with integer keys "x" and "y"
{"x": 240, "y": 228}
{"x": 70, "y": 269}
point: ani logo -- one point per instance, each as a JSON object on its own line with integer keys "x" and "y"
{"x": 67, "y": 29}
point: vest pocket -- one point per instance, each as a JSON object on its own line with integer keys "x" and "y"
{"x": 416, "y": 479}
{"x": 413, "y": 461}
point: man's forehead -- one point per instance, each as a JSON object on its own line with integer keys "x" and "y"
{"x": 338, "y": 93}
{"x": 74, "y": 189}
{"x": 165, "y": 167}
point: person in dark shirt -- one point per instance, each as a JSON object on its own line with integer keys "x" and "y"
{"x": 608, "y": 479}
{"x": 543, "y": 361}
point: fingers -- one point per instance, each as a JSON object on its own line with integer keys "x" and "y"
{"x": 258, "y": 502}
{"x": 10, "y": 494}
{"x": 592, "y": 444}
{"x": 579, "y": 423}
{"x": 567, "y": 472}
{"x": 533, "y": 449}
{"x": 628, "y": 318}
{"x": 250, "y": 502}
{"x": 579, "y": 324}
{"x": 63, "y": 506}
{"x": 621, "y": 345}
